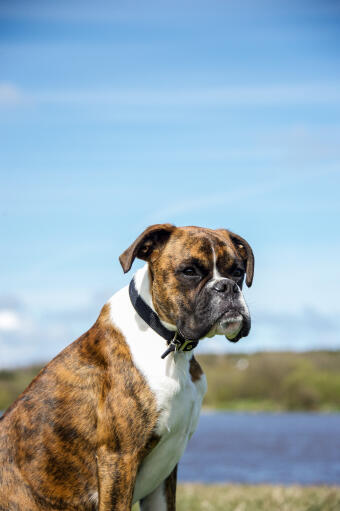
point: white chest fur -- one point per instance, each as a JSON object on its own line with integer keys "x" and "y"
{"x": 178, "y": 398}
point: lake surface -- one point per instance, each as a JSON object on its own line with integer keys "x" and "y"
{"x": 283, "y": 448}
{"x": 280, "y": 448}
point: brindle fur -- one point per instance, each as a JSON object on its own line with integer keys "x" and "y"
{"x": 81, "y": 429}
{"x": 84, "y": 423}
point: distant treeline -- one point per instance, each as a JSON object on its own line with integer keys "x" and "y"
{"x": 13, "y": 382}
{"x": 273, "y": 381}
{"x": 261, "y": 381}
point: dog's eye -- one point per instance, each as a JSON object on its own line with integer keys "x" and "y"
{"x": 238, "y": 273}
{"x": 190, "y": 271}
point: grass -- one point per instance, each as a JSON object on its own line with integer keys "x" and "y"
{"x": 237, "y": 497}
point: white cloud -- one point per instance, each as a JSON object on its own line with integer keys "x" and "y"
{"x": 9, "y": 320}
{"x": 32, "y": 341}
{"x": 36, "y": 334}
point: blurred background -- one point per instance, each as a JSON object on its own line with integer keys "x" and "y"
{"x": 117, "y": 115}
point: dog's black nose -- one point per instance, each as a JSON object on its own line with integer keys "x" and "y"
{"x": 225, "y": 286}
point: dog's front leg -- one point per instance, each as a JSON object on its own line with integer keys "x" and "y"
{"x": 162, "y": 498}
{"x": 116, "y": 475}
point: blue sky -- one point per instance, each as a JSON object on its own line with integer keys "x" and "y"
{"x": 117, "y": 115}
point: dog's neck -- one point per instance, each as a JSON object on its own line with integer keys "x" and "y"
{"x": 144, "y": 342}
{"x": 143, "y": 285}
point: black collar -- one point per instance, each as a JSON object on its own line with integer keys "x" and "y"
{"x": 175, "y": 340}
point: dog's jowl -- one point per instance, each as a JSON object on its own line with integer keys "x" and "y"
{"x": 106, "y": 422}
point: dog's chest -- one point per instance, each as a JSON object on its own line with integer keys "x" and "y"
{"x": 179, "y": 402}
{"x": 178, "y": 395}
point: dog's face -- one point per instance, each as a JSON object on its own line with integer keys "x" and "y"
{"x": 196, "y": 278}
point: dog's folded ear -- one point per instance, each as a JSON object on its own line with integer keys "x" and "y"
{"x": 153, "y": 237}
{"x": 245, "y": 251}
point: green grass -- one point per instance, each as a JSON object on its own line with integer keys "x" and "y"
{"x": 271, "y": 381}
{"x": 237, "y": 497}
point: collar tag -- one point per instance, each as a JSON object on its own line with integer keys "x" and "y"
{"x": 178, "y": 345}
{"x": 187, "y": 345}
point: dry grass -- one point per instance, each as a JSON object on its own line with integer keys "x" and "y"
{"x": 235, "y": 497}
{"x": 239, "y": 497}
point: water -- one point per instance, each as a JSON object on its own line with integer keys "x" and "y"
{"x": 281, "y": 448}
{"x": 285, "y": 448}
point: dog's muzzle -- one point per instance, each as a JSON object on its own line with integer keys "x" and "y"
{"x": 234, "y": 320}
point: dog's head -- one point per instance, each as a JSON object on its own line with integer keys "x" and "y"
{"x": 196, "y": 277}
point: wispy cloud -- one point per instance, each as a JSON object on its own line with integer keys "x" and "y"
{"x": 226, "y": 198}
{"x": 235, "y": 195}
{"x": 257, "y": 95}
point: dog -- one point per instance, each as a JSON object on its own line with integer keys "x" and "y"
{"x": 106, "y": 422}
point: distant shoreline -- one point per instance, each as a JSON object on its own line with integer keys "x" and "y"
{"x": 260, "y": 382}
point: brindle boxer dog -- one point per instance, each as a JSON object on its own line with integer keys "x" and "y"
{"x": 105, "y": 423}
